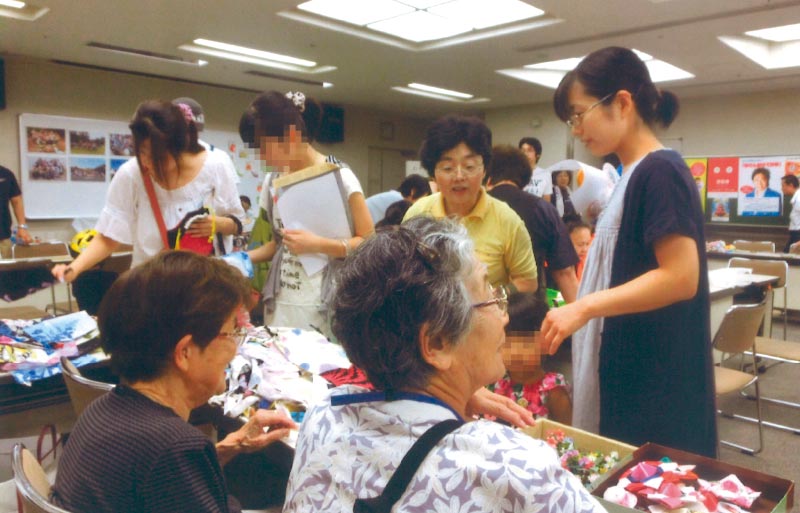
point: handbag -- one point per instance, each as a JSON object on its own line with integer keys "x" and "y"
{"x": 398, "y": 483}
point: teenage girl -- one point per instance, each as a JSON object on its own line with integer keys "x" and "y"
{"x": 642, "y": 364}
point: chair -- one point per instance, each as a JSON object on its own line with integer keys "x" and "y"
{"x": 33, "y": 487}
{"x": 82, "y": 391}
{"x": 737, "y": 335}
{"x": 752, "y": 245}
{"x": 46, "y": 250}
{"x": 777, "y": 268}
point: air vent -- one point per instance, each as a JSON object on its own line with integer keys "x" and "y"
{"x": 146, "y": 53}
{"x": 288, "y": 79}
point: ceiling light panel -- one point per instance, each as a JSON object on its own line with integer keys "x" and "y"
{"x": 420, "y": 26}
{"x": 252, "y": 52}
{"x": 423, "y": 4}
{"x": 15, "y": 4}
{"x": 357, "y": 12}
{"x": 780, "y": 34}
{"x": 439, "y": 90}
{"x": 479, "y": 14}
{"x": 21, "y": 10}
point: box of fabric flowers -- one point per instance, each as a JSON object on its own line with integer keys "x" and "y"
{"x": 659, "y": 479}
{"x": 585, "y": 454}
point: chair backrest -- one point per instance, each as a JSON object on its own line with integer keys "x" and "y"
{"x": 82, "y": 391}
{"x": 32, "y": 483}
{"x": 739, "y": 328}
{"x": 755, "y": 245}
{"x": 42, "y": 249}
{"x": 777, "y": 268}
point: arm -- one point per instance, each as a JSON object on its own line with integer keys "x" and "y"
{"x": 19, "y": 213}
{"x": 559, "y": 406}
{"x": 519, "y": 259}
{"x": 675, "y": 279}
{"x": 567, "y": 282}
{"x": 525, "y": 284}
{"x": 303, "y": 241}
{"x": 263, "y": 253}
{"x": 486, "y": 402}
{"x": 97, "y": 250}
{"x": 262, "y": 429}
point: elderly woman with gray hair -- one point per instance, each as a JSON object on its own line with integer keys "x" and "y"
{"x": 415, "y": 310}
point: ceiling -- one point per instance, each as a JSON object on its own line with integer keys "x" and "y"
{"x": 681, "y": 32}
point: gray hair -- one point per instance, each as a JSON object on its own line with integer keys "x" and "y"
{"x": 393, "y": 284}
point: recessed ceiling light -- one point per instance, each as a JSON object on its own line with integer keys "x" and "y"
{"x": 253, "y": 56}
{"x": 21, "y": 10}
{"x": 12, "y": 3}
{"x": 778, "y": 34}
{"x": 357, "y": 12}
{"x": 420, "y": 26}
{"x": 480, "y": 14}
{"x": 549, "y": 74}
{"x": 439, "y": 90}
{"x": 437, "y": 96}
{"x": 766, "y": 54}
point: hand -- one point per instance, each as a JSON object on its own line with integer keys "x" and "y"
{"x": 202, "y": 227}
{"x": 486, "y": 402}
{"x": 301, "y": 241}
{"x": 560, "y": 323}
{"x": 262, "y": 429}
{"x": 24, "y": 236}
{"x": 63, "y": 272}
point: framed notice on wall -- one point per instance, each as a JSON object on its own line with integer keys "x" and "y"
{"x": 67, "y": 163}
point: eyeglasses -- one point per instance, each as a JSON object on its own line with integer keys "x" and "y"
{"x": 467, "y": 167}
{"x": 575, "y": 120}
{"x": 238, "y": 336}
{"x": 499, "y": 298}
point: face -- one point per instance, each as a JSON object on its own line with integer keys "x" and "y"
{"x": 459, "y": 174}
{"x": 562, "y": 179}
{"x": 522, "y": 355}
{"x": 284, "y": 153}
{"x": 581, "y": 240}
{"x": 786, "y": 188}
{"x": 530, "y": 152}
{"x": 145, "y": 156}
{"x": 480, "y": 354}
{"x": 600, "y": 128}
{"x": 208, "y": 367}
{"x": 760, "y": 182}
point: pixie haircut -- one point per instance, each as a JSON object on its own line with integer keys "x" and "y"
{"x": 415, "y": 186}
{"x": 509, "y": 163}
{"x": 533, "y": 143}
{"x": 272, "y": 113}
{"x": 167, "y": 129}
{"x": 394, "y": 283}
{"x": 151, "y": 307}
{"x": 448, "y": 132}
{"x": 761, "y": 171}
{"x": 791, "y": 181}
{"x": 609, "y": 70}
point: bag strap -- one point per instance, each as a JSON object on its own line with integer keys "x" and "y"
{"x": 398, "y": 483}
{"x": 151, "y": 195}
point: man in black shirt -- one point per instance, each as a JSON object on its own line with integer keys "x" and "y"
{"x": 10, "y": 193}
{"x": 506, "y": 178}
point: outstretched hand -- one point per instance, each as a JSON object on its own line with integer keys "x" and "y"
{"x": 486, "y": 402}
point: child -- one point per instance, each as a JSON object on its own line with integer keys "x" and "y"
{"x": 581, "y": 235}
{"x": 542, "y": 393}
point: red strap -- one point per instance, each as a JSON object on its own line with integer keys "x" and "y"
{"x": 151, "y": 194}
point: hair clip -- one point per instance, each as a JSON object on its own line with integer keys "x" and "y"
{"x": 298, "y": 99}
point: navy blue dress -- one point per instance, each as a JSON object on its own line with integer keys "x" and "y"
{"x": 656, "y": 368}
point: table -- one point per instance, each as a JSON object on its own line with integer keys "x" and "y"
{"x": 719, "y": 260}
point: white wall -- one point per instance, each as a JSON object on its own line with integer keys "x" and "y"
{"x": 41, "y": 87}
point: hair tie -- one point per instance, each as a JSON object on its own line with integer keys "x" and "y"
{"x": 187, "y": 112}
{"x": 298, "y": 99}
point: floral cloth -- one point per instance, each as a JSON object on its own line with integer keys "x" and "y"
{"x": 533, "y": 396}
{"x": 352, "y": 450}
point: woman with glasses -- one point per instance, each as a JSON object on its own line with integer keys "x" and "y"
{"x": 456, "y": 152}
{"x": 170, "y": 328}
{"x": 416, "y": 311}
{"x": 642, "y": 366}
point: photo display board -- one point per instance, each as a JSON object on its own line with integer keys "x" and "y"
{"x": 744, "y": 190}
{"x": 67, "y": 163}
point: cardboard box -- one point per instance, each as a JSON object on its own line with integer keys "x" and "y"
{"x": 584, "y": 440}
{"x": 777, "y": 494}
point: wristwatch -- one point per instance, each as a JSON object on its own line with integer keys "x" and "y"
{"x": 22, "y": 226}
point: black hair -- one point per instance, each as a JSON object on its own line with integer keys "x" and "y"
{"x": 509, "y": 163}
{"x": 150, "y": 308}
{"x": 576, "y": 225}
{"x": 791, "y": 180}
{"x": 448, "y": 132}
{"x": 605, "y": 72}
{"x": 415, "y": 186}
{"x": 526, "y": 311}
{"x": 761, "y": 171}
{"x": 272, "y": 113}
{"x": 394, "y": 214}
{"x": 554, "y": 176}
{"x": 169, "y": 132}
{"x": 533, "y": 143}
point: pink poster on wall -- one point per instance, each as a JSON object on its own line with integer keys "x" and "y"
{"x": 723, "y": 177}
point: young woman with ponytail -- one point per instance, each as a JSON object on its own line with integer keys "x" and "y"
{"x": 642, "y": 364}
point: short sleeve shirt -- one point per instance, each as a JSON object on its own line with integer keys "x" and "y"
{"x": 541, "y": 183}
